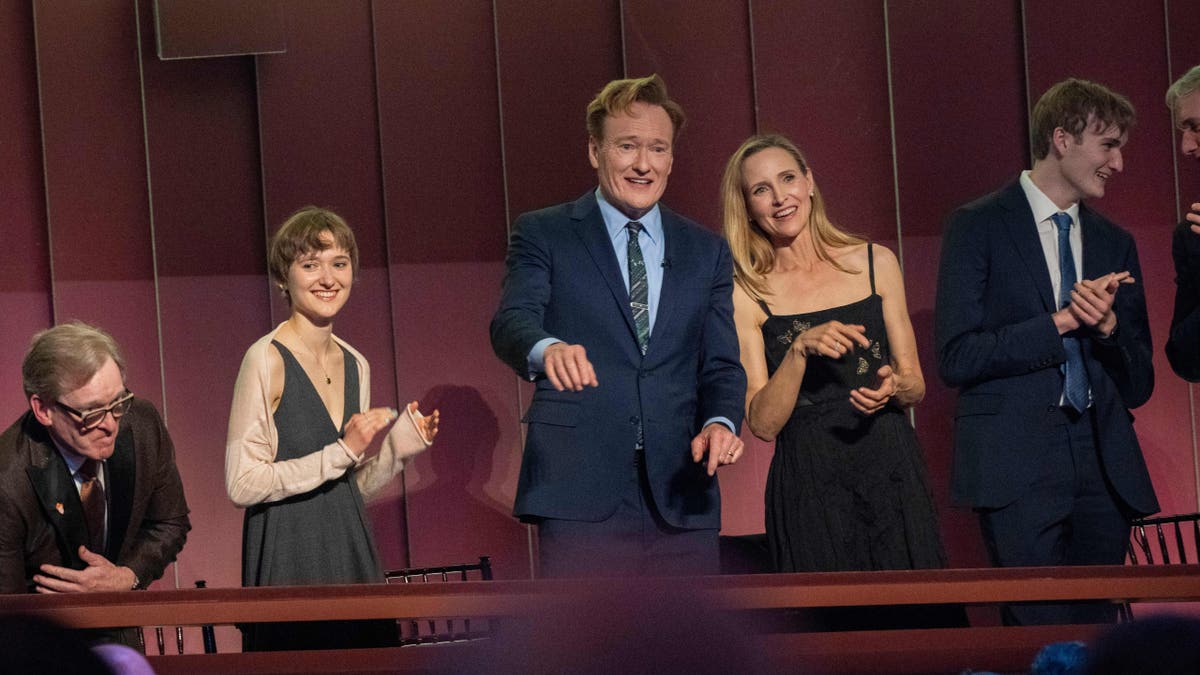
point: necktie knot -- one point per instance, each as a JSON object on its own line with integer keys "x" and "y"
{"x": 634, "y": 228}
{"x": 89, "y": 470}
{"x": 1063, "y": 221}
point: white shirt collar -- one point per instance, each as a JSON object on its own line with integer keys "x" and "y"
{"x": 1043, "y": 207}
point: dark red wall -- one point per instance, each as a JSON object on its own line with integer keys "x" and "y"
{"x": 139, "y": 195}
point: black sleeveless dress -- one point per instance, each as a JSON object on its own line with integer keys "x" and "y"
{"x": 845, "y": 491}
{"x": 319, "y": 537}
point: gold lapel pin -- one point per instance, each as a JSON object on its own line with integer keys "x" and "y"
{"x": 58, "y": 506}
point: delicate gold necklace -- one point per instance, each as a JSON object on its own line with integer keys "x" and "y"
{"x": 320, "y": 364}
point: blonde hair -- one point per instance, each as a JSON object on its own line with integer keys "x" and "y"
{"x": 619, "y": 96}
{"x": 63, "y": 358}
{"x": 753, "y": 254}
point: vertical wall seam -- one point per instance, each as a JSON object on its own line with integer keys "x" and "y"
{"x": 753, "y": 65}
{"x": 406, "y": 544}
{"x": 162, "y": 377}
{"x": 529, "y": 543}
{"x": 887, "y": 49}
{"x": 887, "y": 61}
{"x": 37, "y": 65}
{"x": 624, "y": 44}
{"x": 1025, "y": 67}
{"x": 162, "y": 374}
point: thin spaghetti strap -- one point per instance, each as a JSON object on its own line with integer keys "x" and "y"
{"x": 763, "y": 303}
{"x": 871, "y": 265}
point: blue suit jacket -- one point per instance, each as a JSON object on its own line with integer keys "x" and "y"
{"x": 563, "y": 281}
{"x": 997, "y": 343}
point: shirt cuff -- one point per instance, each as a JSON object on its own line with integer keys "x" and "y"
{"x": 723, "y": 420}
{"x": 537, "y": 357}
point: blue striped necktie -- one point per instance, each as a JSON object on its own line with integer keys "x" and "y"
{"x": 1075, "y": 379}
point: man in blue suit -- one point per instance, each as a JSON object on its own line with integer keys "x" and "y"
{"x": 1049, "y": 361}
{"x": 621, "y": 312}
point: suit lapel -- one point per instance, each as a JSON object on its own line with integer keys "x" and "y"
{"x": 589, "y": 224}
{"x": 58, "y": 497}
{"x": 122, "y": 481}
{"x": 1095, "y": 245}
{"x": 668, "y": 296}
{"x": 1018, "y": 218}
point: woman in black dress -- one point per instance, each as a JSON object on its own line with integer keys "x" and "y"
{"x": 831, "y": 365}
{"x": 299, "y": 431}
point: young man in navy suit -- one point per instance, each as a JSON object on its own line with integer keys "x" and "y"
{"x": 621, "y": 312}
{"x": 1041, "y": 325}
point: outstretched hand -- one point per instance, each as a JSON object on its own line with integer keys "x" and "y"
{"x": 567, "y": 367}
{"x": 719, "y": 443}
{"x": 427, "y": 425}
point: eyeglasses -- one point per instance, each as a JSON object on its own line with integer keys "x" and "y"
{"x": 90, "y": 419}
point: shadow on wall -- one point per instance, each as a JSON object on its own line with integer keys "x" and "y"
{"x": 461, "y": 488}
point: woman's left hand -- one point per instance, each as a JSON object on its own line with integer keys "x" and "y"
{"x": 870, "y": 401}
{"x": 427, "y": 425}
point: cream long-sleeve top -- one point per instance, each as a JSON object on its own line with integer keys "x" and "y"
{"x": 252, "y": 476}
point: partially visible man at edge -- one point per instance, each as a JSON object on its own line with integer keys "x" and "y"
{"x": 86, "y": 440}
{"x": 1183, "y": 344}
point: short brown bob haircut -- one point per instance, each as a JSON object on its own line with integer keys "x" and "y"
{"x": 301, "y": 234}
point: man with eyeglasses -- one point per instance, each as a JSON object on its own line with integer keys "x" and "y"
{"x": 90, "y": 498}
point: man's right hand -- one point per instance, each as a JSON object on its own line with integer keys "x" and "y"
{"x": 567, "y": 367}
{"x": 1194, "y": 217}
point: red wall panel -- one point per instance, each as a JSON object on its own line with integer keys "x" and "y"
{"x": 553, "y": 59}
{"x": 440, "y": 131}
{"x": 441, "y": 148}
{"x": 95, "y": 165}
{"x": 827, "y": 90}
{"x": 702, "y": 50}
{"x": 953, "y": 143}
{"x": 202, "y": 149}
{"x": 24, "y": 284}
{"x": 1141, "y": 199}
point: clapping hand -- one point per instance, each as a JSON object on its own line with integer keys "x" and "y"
{"x": 427, "y": 425}
{"x": 832, "y": 339}
{"x": 870, "y": 401}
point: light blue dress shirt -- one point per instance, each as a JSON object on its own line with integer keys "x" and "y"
{"x": 653, "y": 252}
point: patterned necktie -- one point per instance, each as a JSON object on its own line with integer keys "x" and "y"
{"x": 1075, "y": 379}
{"x": 639, "y": 298}
{"x": 91, "y": 494}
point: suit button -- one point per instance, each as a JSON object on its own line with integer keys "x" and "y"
{"x": 1051, "y": 408}
{"x": 633, "y": 420}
